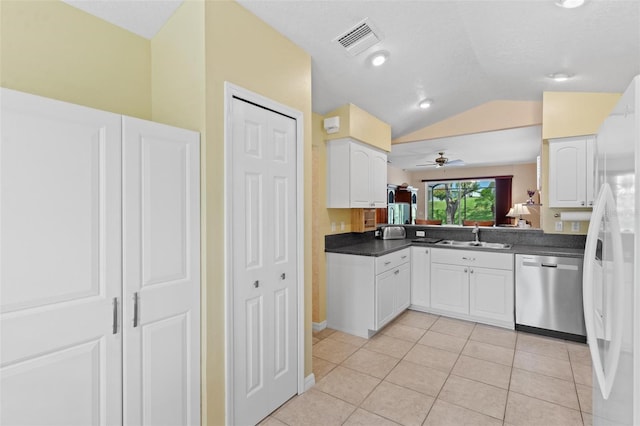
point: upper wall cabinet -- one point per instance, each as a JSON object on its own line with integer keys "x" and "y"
{"x": 571, "y": 172}
{"x": 356, "y": 175}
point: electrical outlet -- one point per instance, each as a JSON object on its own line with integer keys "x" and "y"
{"x": 575, "y": 226}
{"x": 559, "y": 226}
{"x": 419, "y": 233}
{"x": 342, "y": 226}
{"x": 333, "y": 227}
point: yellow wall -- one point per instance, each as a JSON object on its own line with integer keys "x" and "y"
{"x": 359, "y": 124}
{"x": 397, "y": 176}
{"x": 51, "y": 49}
{"x": 245, "y": 51}
{"x": 567, "y": 114}
{"x": 524, "y": 177}
{"x": 54, "y": 50}
{"x": 178, "y": 99}
{"x": 494, "y": 115}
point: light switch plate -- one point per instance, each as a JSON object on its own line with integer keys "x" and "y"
{"x": 333, "y": 227}
{"x": 575, "y": 226}
{"x": 419, "y": 233}
{"x": 559, "y": 226}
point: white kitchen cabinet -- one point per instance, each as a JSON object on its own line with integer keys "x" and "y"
{"x": 571, "y": 172}
{"x": 473, "y": 285}
{"x": 356, "y": 175}
{"x": 364, "y": 293}
{"x": 491, "y": 293}
{"x": 420, "y": 278}
{"x": 450, "y": 288}
{"x": 100, "y": 285}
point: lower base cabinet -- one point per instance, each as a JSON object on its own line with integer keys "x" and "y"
{"x": 463, "y": 289}
{"x": 365, "y": 293}
{"x": 420, "y": 278}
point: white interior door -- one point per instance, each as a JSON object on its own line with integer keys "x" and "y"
{"x": 161, "y": 233}
{"x": 60, "y": 263}
{"x": 264, "y": 272}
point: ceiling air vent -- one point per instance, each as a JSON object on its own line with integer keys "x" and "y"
{"x": 359, "y": 38}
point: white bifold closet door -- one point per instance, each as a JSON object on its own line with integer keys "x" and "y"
{"x": 96, "y": 209}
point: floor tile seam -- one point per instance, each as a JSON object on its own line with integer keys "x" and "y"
{"x": 575, "y": 387}
{"x": 370, "y": 375}
{"x": 544, "y": 400}
{"x": 370, "y": 412}
{"x": 545, "y": 375}
{"x": 346, "y": 343}
{"x": 539, "y": 354}
{"x": 506, "y": 404}
{"x": 483, "y": 359}
{"x": 493, "y": 344}
{"x": 344, "y": 400}
{"x": 447, "y": 379}
{"x": 442, "y": 349}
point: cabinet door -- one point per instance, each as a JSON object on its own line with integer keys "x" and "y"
{"x": 161, "y": 229}
{"x": 403, "y": 288}
{"x": 378, "y": 179}
{"x": 385, "y": 297}
{"x": 60, "y": 257}
{"x": 567, "y": 173}
{"x": 360, "y": 176}
{"x": 491, "y": 293}
{"x": 450, "y": 288}
{"x": 420, "y": 277}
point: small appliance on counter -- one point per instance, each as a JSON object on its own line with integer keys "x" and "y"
{"x": 392, "y": 232}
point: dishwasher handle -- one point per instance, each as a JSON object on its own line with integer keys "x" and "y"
{"x": 549, "y": 265}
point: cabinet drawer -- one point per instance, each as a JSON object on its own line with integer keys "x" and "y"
{"x": 473, "y": 258}
{"x": 392, "y": 260}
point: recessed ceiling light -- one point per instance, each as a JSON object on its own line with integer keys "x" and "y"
{"x": 560, "y": 76}
{"x": 425, "y": 103}
{"x": 569, "y": 4}
{"x": 379, "y": 58}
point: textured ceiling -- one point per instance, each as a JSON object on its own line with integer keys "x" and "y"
{"x": 142, "y": 17}
{"x": 459, "y": 53}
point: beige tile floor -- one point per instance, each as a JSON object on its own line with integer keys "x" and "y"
{"x": 428, "y": 370}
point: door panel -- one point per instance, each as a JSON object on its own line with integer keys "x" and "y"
{"x": 60, "y": 263}
{"x": 161, "y": 229}
{"x": 264, "y": 261}
{"x": 450, "y": 288}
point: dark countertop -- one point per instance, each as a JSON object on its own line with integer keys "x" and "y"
{"x": 377, "y": 248}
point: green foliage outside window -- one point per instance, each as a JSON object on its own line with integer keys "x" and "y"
{"x": 456, "y": 201}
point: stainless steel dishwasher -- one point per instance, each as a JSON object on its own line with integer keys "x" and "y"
{"x": 549, "y": 296}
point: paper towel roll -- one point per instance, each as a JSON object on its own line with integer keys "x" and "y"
{"x": 575, "y": 216}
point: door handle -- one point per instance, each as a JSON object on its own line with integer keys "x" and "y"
{"x": 283, "y": 276}
{"x": 135, "y": 309}
{"x": 397, "y": 271}
{"x": 256, "y": 284}
{"x": 115, "y": 315}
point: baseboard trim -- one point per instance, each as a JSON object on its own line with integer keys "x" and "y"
{"x": 319, "y": 326}
{"x": 309, "y": 382}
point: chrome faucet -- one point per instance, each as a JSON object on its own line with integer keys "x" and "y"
{"x": 476, "y": 231}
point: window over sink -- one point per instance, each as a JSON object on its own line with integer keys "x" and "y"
{"x": 462, "y": 201}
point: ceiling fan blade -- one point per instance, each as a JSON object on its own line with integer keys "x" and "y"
{"x": 455, "y": 162}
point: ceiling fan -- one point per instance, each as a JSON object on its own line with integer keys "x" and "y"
{"x": 441, "y": 161}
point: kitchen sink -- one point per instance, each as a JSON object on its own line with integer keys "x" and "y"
{"x": 455, "y": 243}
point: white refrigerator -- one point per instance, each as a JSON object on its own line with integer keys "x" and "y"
{"x": 611, "y": 280}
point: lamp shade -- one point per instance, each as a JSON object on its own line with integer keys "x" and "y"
{"x": 511, "y": 213}
{"x": 519, "y": 210}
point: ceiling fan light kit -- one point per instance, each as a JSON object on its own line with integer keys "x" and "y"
{"x": 570, "y": 4}
{"x": 560, "y": 76}
{"x": 425, "y": 104}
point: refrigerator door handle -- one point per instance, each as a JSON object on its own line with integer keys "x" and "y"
{"x": 605, "y": 369}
